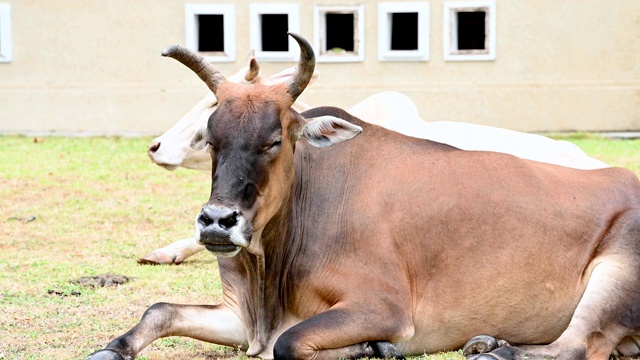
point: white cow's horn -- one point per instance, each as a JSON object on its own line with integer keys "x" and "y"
{"x": 210, "y": 75}
{"x": 304, "y": 71}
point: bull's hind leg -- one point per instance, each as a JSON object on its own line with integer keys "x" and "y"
{"x": 211, "y": 323}
{"x": 609, "y": 310}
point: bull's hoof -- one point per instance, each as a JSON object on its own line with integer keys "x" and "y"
{"x": 386, "y": 350}
{"x": 481, "y": 357}
{"x": 106, "y": 354}
{"x": 479, "y": 345}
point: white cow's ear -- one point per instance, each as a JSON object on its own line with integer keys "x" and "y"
{"x": 200, "y": 140}
{"x": 285, "y": 75}
{"x": 253, "y": 69}
{"x": 325, "y": 131}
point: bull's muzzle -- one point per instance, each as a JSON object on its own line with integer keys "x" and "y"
{"x": 221, "y": 230}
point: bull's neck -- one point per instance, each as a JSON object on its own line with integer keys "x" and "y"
{"x": 265, "y": 293}
{"x": 265, "y": 279}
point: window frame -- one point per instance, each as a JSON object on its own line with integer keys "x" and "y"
{"x": 319, "y": 38}
{"x": 385, "y": 10}
{"x": 292, "y": 10}
{"x": 228, "y": 12}
{"x": 450, "y": 39}
{"x": 6, "y": 46}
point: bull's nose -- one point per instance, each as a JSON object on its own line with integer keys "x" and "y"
{"x": 225, "y": 218}
{"x": 154, "y": 147}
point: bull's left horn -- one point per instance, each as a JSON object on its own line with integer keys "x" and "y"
{"x": 304, "y": 71}
{"x": 210, "y": 75}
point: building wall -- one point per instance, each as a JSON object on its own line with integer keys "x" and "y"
{"x": 95, "y": 67}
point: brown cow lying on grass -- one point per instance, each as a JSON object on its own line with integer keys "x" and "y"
{"x": 340, "y": 239}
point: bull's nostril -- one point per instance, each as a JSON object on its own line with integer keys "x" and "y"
{"x": 229, "y": 221}
{"x": 154, "y": 147}
{"x": 224, "y": 218}
{"x": 205, "y": 220}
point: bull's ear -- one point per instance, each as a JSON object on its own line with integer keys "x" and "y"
{"x": 325, "y": 131}
{"x": 200, "y": 140}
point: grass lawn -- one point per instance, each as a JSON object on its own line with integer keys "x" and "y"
{"x": 99, "y": 204}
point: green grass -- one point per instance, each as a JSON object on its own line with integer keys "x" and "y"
{"x": 623, "y": 153}
{"x": 100, "y": 204}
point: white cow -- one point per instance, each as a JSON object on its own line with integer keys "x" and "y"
{"x": 384, "y": 108}
{"x": 172, "y": 149}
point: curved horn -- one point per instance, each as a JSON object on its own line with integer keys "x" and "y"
{"x": 304, "y": 71}
{"x": 197, "y": 64}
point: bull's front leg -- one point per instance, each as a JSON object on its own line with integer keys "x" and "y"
{"x": 211, "y": 323}
{"x": 347, "y": 333}
{"x": 174, "y": 253}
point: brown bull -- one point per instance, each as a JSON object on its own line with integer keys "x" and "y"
{"x": 387, "y": 245}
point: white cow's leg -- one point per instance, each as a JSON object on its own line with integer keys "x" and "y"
{"x": 174, "y": 253}
{"x": 211, "y": 323}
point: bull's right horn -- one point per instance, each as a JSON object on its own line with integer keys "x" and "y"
{"x": 304, "y": 71}
{"x": 210, "y": 75}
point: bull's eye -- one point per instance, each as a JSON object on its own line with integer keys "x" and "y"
{"x": 275, "y": 144}
{"x": 273, "y": 147}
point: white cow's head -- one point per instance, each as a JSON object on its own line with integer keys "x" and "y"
{"x": 172, "y": 149}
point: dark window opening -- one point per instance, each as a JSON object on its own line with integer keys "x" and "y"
{"x": 340, "y": 30}
{"x": 210, "y": 32}
{"x": 471, "y": 30}
{"x": 274, "y": 29}
{"x": 404, "y": 31}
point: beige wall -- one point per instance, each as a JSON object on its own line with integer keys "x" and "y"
{"x": 94, "y": 66}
